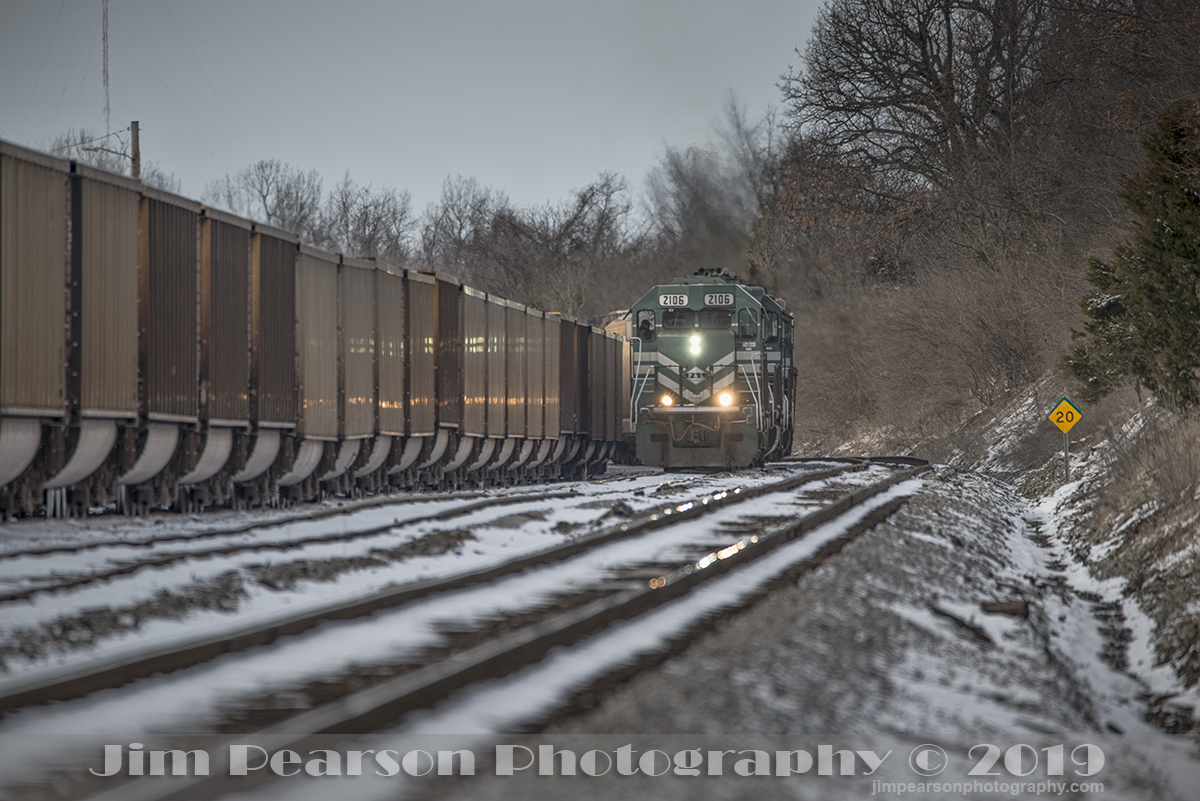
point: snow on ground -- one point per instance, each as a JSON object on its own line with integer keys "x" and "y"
{"x": 219, "y": 593}
{"x": 886, "y": 648}
{"x": 191, "y": 700}
{"x": 1060, "y": 515}
{"x": 104, "y": 526}
{"x": 42, "y": 532}
{"x": 478, "y": 715}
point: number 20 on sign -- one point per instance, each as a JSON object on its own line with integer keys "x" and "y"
{"x": 1066, "y": 415}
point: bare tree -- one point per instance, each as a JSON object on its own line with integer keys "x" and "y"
{"x": 922, "y": 86}
{"x": 832, "y": 227}
{"x": 754, "y": 153}
{"x": 453, "y": 227}
{"x": 551, "y": 256}
{"x": 272, "y": 192}
{"x": 366, "y": 222}
{"x": 106, "y": 152}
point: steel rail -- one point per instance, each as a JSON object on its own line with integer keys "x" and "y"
{"x": 347, "y": 508}
{"x": 316, "y": 514}
{"x": 376, "y": 707}
{"x": 278, "y": 545}
{"x": 117, "y": 671}
{"x": 281, "y": 545}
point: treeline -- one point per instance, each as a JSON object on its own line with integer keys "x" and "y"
{"x": 952, "y": 166}
{"x": 926, "y": 199}
{"x": 549, "y": 256}
{"x": 591, "y": 253}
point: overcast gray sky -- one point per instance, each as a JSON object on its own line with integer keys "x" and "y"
{"x": 532, "y": 97}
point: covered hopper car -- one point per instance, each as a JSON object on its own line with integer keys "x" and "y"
{"x": 158, "y": 353}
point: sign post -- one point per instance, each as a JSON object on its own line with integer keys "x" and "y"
{"x": 1065, "y": 415}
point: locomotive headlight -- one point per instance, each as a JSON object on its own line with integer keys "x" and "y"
{"x": 695, "y": 345}
{"x": 667, "y": 400}
{"x": 725, "y": 399}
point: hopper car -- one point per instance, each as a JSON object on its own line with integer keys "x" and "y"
{"x": 158, "y": 353}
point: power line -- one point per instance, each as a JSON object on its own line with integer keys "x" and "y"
{"x": 70, "y": 145}
{"x": 157, "y": 74}
{"x": 204, "y": 72}
{"x": 49, "y": 47}
{"x": 74, "y": 61}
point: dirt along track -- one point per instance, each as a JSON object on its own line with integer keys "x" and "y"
{"x": 450, "y": 627}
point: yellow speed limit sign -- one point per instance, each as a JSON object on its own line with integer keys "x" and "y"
{"x": 1065, "y": 415}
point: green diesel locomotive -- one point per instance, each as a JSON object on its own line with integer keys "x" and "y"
{"x": 713, "y": 380}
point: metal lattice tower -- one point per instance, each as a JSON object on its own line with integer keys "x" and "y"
{"x": 107, "y": 127}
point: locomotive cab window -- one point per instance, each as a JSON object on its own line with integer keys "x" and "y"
{"x": 645, "y": 325}
{"x": 675, "y": 319}
{"x": 747, "y": 324}
{"x": 715, "y": 319}
{"x": 771, "y": 327}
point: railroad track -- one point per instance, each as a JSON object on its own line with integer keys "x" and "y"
{"x": 73, "y": 683}
{"x": 275, "y": 521}
{"x": 41, "y": 571}
{"x": 614, "y": 574}
{"x": 88, "y": 595}
{"x": 126, "y": 568}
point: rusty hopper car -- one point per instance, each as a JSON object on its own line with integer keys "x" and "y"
{"x": 156, "y": 353}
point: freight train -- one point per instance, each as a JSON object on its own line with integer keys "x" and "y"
{"x": 713, "y": 384}
{"x": 158, "y": 353}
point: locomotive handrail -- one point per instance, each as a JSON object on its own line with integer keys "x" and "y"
{"x": 633, "y": 396}
{"x": 754, "y": 395}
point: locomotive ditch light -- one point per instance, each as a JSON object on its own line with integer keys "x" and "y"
{"x": 725, "y": 399}
{"x": 667, "y": 400}
{"x": 695, "y": 340}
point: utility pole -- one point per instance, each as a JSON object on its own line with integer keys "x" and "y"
{"x": 135, "y": 150}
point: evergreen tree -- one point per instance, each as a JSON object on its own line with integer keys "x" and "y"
{"x": 1143, "y": 319}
